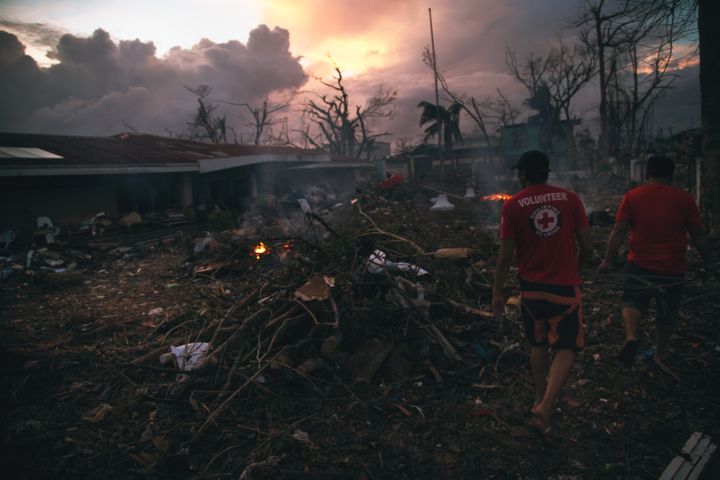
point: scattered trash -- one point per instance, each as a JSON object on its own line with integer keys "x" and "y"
{"x": 7, "y": 238}
{"x": 5, "y": 273}
{"x": 486, "y": 353}
{"x": 301, "y": 436}
{"x": 442, "y": 204}
{"x": 187, "y": 356}
{"x": 452, "y": 253}
{"x": 127, "y": 221}
{"x": 207, "y": 242}
{"x": 98, "y": 413}
{"x": 377, "y": 263}
{"x": 45, "y": 227}
{"x": 155, "y": 312}
{"x": 317, "y": 288}
{"x": 648, "y": 352}
{"x": 304, "y": 205}
{"x": 482, "y": 412}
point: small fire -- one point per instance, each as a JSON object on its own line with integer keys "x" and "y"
{"x": 260, "y": 250}
{"x": 498, "y": 197}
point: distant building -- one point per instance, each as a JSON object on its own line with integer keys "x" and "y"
{"x": 516, "y": 139}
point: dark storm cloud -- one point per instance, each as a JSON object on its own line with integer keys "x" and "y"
{"x": 98, "y": 83}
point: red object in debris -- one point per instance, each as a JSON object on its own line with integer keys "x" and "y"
{"x": 391, "y": 181}
{"x": 483, "y": 412}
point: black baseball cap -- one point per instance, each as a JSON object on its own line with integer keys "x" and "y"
{"x": 533, "y": 160}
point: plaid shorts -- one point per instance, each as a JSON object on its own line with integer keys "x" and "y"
{"x": 552, "y": 315}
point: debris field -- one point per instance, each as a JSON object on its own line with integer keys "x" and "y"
{"x": 352, "y": 343}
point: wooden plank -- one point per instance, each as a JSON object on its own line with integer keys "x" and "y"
{"x": 670, "y": 472}
{"x": 700, "y": 466}
{"x": 691, "y": 443}
{"x": 672, "y": 468}
{"x": 694, "y": 456}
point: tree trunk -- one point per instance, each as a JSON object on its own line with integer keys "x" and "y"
{"x": 709, "y": 12}
{"x": 604, "y": 124}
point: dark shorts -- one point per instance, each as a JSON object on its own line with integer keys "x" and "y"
{"x": 552, "y": 315}
{"x": 643, "y": 285}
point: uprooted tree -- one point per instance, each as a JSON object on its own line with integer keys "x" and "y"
{"x": 340, "y": 128}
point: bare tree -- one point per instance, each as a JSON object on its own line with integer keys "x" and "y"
{"x": 634, "y": 43}
{"x": 603, "y": 26}
{"x": 205, "y": 124}
{"x": 262, "y": 119}
{"x": 569, "y": 70}
{"x": 344, "y": 130}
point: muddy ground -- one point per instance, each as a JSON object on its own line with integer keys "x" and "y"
{"x": 76, "y": 403}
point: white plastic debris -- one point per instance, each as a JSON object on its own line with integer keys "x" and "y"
{"x": 469, "y": 193}
{"x": 377, "y": 262}
{"x": 155, "y": 312}
{"x": 301, "y": 436}
{"x": 304, "y": 205}
{"x": 207, "y": 242}
{"x": 189, "y": 355}
{"x": 28, "y": 261}
{"x": 442, "y": 204}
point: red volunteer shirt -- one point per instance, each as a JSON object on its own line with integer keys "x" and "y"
{"x": 543, "y": 220}
{"x": 658, "y": 216}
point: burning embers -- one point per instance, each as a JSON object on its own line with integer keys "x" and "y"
{"x": 260, "y": 250}
{"x": 497, "y": 197}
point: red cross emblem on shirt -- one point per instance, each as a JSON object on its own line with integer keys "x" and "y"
{"x": 546, "y": 220}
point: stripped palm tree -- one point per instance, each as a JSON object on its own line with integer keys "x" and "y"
{"x": 444, "y": 121}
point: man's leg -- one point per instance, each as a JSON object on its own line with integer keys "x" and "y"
{"x": 663, "y": 340}
{"x": 540, "y": 366}
{"x": 559, "y": 373}
{"x": 668, "y": 308}
{"x": 631, "y": 318}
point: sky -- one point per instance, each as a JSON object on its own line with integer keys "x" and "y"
{"x": 100, "y": 67}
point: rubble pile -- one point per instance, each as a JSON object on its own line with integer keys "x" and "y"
{"x": 354, "y": 341}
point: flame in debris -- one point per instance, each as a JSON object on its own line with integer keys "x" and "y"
{"x": 260, "y": 250}
{"x": 499, "y": 197}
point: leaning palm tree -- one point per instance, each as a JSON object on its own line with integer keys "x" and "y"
{"x": 443, "y": 121}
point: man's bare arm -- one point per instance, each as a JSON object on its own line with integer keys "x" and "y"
{"x": 617, "y": 237}
{"x": 504, "y": 260}
{"x": 701, "y": 242}
{"x": 586, "y": 247}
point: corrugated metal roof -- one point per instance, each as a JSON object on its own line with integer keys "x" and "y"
{"x": 140, "y": 153}
{"x": 128, "y": 149}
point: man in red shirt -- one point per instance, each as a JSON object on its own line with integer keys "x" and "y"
{"x": 659, "y": 217}
{"x": 541, "y": 224}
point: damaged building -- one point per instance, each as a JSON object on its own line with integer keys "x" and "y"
{"x": 70, "y": 179}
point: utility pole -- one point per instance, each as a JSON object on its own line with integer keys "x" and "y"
{"x": 437, "y": 101}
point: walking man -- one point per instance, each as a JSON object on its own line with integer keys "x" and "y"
{"x": 541, "y": 224}
{"x": 659, "y": 217}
